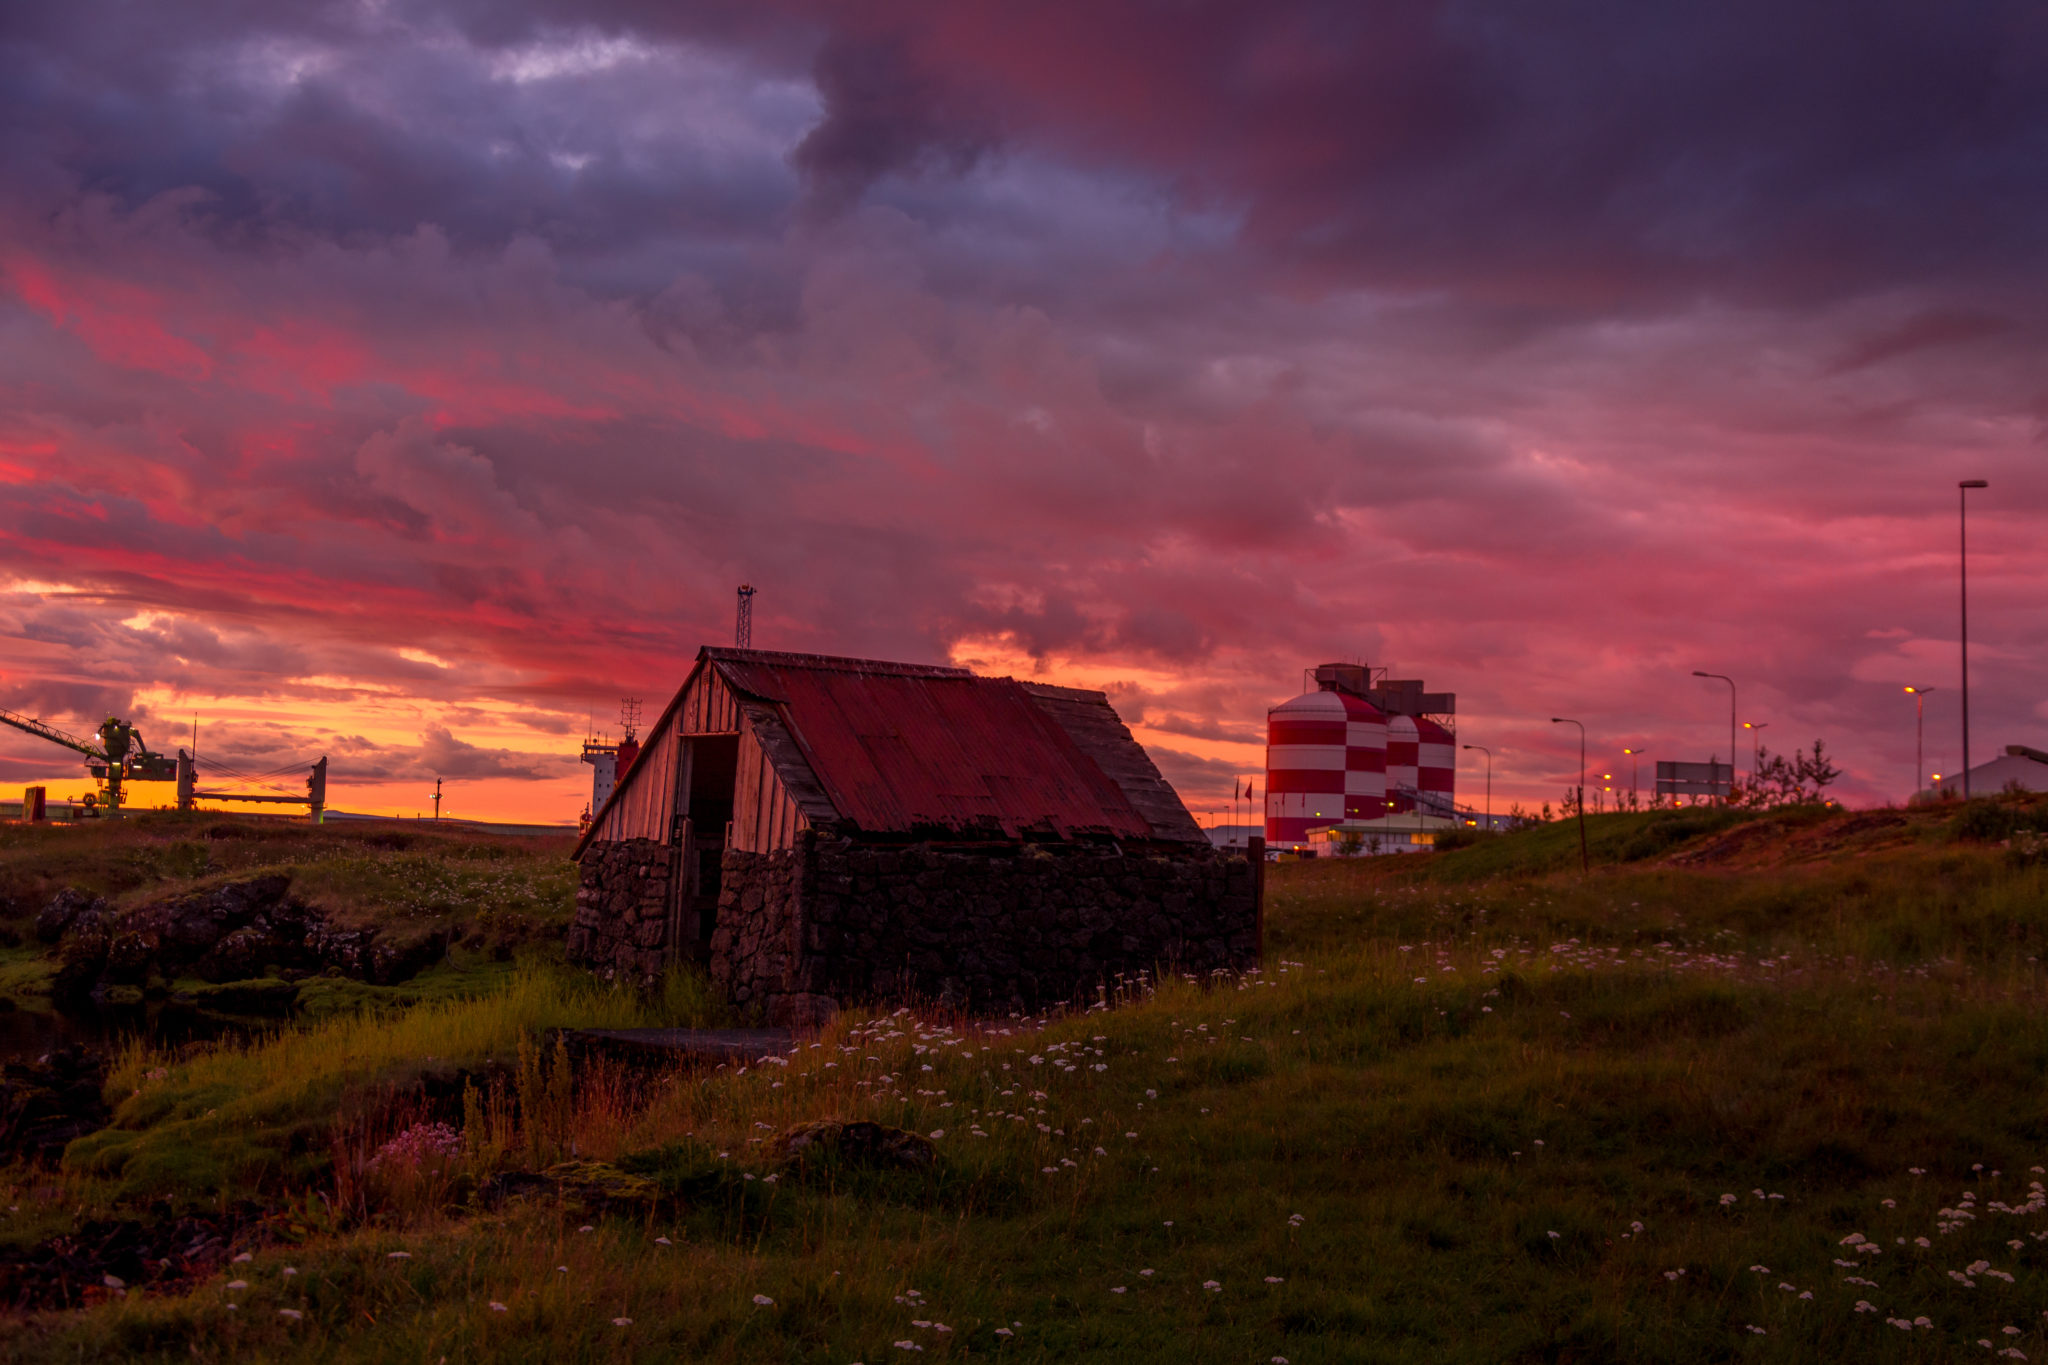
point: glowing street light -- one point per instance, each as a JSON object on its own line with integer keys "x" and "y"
{"x": 1919, "y": 695}
{"x": 1756, "y": 746}
{"x": 1634, "y": 758}
{"x": 1585, "y": 860}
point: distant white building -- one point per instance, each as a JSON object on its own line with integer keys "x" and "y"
{"x": 2019, "y": 767}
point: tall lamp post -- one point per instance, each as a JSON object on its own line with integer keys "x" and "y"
{"x": 1756, "y": 746}
{"x": 1919, "y": 695}
{"x": 1963, "y": 555}
{"x": 1585, "y": 861}
{"x": 1635, "y": 758}
{"x": 1489, "y": 780}
{"x": 1729, "y": 798}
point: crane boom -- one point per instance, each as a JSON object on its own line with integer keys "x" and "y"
{"x": 123, "y": 756}
{"x": 52, "y": 733}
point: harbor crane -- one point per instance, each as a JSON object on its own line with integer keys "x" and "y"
{"x": 122, "y": 756}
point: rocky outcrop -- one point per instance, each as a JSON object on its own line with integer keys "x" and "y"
{"x": 235, "y": 932}
{"x": 66, "y": 909}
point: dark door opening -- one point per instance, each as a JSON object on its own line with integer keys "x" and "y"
{"x": 711, "y": 768}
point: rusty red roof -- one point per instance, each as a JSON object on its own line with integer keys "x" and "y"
{"x": 910, "y": 749}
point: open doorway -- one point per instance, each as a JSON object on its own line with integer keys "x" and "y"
{"x": 709, "y": 769}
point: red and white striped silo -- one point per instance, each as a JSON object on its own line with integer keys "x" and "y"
{"x": 1326, "y": 761}
{"x": 1436, "y": 764}
{"x": 1404, "y": 775}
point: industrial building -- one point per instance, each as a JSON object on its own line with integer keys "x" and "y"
{"x": 2019, "y": 766}
{"x": 819, "y": 831}
{"x": 1357, "y": 750}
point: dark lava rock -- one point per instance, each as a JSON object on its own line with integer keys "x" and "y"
{"x": 244, "y": 953}
{"x": 64, "y": 910}
{"x": 46, "y": 1104}
{"x": 104, "y": 1256}
{"x": 859, "y": 1143}
{"x": 130, "y": 955}
{"x": 240, "y": 931}
{"x": 591, "y": 1187}
{"x": 81, "y": 957}
{"x": 598, "y": 1187}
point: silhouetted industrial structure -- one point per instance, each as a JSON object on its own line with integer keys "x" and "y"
{"x": 1357, "y": 748}
{"x": 122, "y": 756}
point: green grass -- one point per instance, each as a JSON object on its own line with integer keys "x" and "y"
{"x": 1458, "y": 1118}
{"x": 237, "y": 1118}
{"x": 402, "y": 874}
{"x": 25, "y": 970}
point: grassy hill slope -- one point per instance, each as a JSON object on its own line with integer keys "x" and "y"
{"x": 1776, "y": 1099}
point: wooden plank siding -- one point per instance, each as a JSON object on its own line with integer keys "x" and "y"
{"x": 645, "y": 807}
{"x": 644, "y": 804}
{"x": 764, "y": 818}
{"x": 708, "y": 705}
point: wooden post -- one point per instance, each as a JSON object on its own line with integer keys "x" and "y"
{"x": 1255, "y": 849}
{"x": 682, "y": 889}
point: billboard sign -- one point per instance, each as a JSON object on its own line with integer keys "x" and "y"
{"x": 1694, "y": 779}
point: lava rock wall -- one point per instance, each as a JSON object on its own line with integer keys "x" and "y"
{"x": 621, "y": 925}
{"x": 1012, "y": 927}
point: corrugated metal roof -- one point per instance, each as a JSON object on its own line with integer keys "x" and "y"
{"x": 908, "y": 749}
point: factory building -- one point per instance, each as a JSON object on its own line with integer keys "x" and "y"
{"x": 1355, "y": 749}
{"x": 820, "y": 831}
{"x": 2019, "y": 767}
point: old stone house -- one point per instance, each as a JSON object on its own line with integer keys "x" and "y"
{"x": 819, "y": 831}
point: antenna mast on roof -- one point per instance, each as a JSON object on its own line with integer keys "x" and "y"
{"x": 743, "y": 629}
{"x": 629, "y": 716}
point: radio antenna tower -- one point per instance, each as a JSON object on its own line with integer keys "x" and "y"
{"x": 743, "y": 629}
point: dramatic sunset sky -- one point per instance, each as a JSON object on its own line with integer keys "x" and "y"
{"x": 406, "y": 382}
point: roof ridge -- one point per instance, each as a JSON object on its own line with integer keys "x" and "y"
{"x": 831, "y": 662}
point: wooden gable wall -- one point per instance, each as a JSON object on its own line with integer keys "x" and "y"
{"x": 764, "y": 818}
{"x": 644, "y": 804}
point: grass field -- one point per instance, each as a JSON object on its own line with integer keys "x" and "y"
{"x": 1763, "y": 1090}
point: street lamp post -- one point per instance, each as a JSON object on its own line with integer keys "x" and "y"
{"x": 1585, "y": 861}
{"x": 1635, "y": 757}
{"x": 1728, "y": 799}
{"x": 1756, "y": 746}
{"x": 1963, "y": 556}
{"x": 1919, "y": 695}
{"x": 1489, "y": 780}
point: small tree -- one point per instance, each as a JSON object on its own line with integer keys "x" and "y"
{"x": 1815, "y": 771}
{"x": 1782, "y": 781}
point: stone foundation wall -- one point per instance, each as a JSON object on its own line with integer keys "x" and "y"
{"x": 986, "y": 930}
{"x": 621, "y": 925}
{"x": 756, "y": 938}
